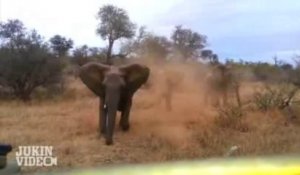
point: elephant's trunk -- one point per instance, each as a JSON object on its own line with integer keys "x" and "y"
{"x": 111, "y": 101}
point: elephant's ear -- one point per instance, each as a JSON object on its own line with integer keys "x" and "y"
{"x": 92, "y": 75}
{"x": 135, "y": 76}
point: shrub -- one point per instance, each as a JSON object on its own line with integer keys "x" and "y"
{"x": 230, "y": 116}
{"x": 274, "y": 97}
{"x": 25, "y": 61}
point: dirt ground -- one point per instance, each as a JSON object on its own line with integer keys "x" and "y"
{"x": 70, "y": 124}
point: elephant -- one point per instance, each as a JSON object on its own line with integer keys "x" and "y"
{"x": 115, "y": 86}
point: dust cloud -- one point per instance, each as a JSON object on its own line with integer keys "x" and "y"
{"x": 172, "y": 104}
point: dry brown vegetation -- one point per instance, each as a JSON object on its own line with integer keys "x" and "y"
{"x": 189, "y": 131}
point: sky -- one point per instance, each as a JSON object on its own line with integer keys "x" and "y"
{"x": 252, "y": 30}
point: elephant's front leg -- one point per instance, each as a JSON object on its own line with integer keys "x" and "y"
{"x": 102, "y": 117}
{"x": 124, "y": 122}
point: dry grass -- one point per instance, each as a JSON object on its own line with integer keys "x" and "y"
{"x": 189, "y": 131}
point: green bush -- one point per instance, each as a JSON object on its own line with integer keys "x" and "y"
{"x": 274, "y": 97}
{"x": 26, "y": 61}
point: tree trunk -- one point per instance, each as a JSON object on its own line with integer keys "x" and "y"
{"x": 24, "y": 96}
{"x": 20, "y": 94}
{"x": 109, "y": 51}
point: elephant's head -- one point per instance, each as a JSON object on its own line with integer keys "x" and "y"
{"x": 112, "y": 84}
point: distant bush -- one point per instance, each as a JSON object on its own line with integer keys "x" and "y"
{"x": 280, "y": 72}
{"x": 60, "y": 45}
{"x": 267, "y": 72}
{"x": 230, "y": 116}
{"x": 83, "y": 54}
{"x": 274, "y": 97}
{"x": 26, "y": 62}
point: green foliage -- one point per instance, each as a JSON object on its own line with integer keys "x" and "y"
{"x": 11, "y": 30}
{"x": 80, "y": 55}
{"x": 114, "y": 24}
{"x": 60, "y": 45}
{"x": 274, "y": 97}
{"x": 155, "y": 46}
{"x": 147, "y": 45}
{"x": 267, "y": 72}
{"x": 280, "y": 72}
{"x": 184, "y": 44}
{"x": 84, "y": 54}
{"x": 188, "y": 43}
{"x": 96, "y": 52}
{"x": 209, "y": 55}
{"x": 25, "y": 60}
